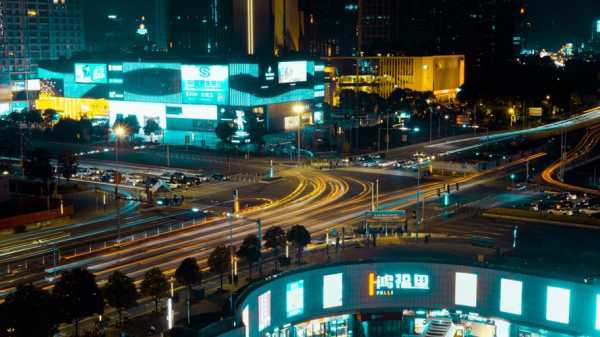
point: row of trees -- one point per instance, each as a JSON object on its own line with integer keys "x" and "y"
{"x": 34, "y": 312}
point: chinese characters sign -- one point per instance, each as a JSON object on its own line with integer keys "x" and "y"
{"x": 389, "y": 284}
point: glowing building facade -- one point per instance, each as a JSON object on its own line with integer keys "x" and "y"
{"x": 186, "y": 99}
{"x": 442, "y": 75}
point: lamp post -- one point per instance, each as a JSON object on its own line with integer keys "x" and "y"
{"x": 298, "y": 109}
{"x": 120, "y": 132}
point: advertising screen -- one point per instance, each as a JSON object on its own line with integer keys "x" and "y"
{"x": 90, "y": 73}
{"x": 205, "y": 84}
{"x": 246, "y": 320}
{"x": 465, "y": 291}
{"x": 558, "y": 303}
{"x": 294, "y": 297}
{"x": 332, "y": 291}
{"x": 292, "y": 72}
{"x": 264, "y": 310}
{"x": 511, "y": 296}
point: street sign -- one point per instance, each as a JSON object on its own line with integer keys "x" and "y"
{"x": 378, "y": 214}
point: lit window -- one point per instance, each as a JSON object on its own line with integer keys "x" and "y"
{"x": 558, "y": 302}
{"x": 511, "y": 296}
{"x": 465, "y": 291}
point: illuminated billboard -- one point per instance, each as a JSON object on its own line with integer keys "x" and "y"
{"x": 246, "y": 320}
{"x": 205, "y": 84}
{"x": 511, "y": 296}
{"x": 91, "y": 73}
{"x": 292, "y": 72}
{"x": 332, "y": 291}
{"x": 465, "y": 289}
{"x": 294, "y": 297}
{"x": 558, "y": 303}
{"x": 389, "y": 284}
{"x": 264, "y": 310}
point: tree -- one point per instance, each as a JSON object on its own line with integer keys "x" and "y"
{"x": 250, "y": 251}
{"x": 225, "y": 131}
{"x": 132, "y": 124}
{"x": 120, "y": 293}
{"x": 49, "y": 116}
{"x": 29, "y": 312}
{"x": 155, "y": 285}
{"x": 300, "y": 238}
{"x": 275, "y": 240}
{"x": 36, "y": 165}
{"x": 188, "y": 273}
{"x": 219, "y": 261}
{"x": 151, "y": 128}
{"x": 67, "y": 165}
{"x": 78, "y": 296}
{"x": 33, "y": 117}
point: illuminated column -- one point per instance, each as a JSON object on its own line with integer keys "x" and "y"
{"x": 170, "y": 314}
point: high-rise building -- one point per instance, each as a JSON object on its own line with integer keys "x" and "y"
{"x": 34, "y": 30}
{"x": 267, "y": 27}
{"x": 201, "y": 27}
{"x": 327, "y": 34}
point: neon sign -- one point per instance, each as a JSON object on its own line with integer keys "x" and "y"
{"x": 387, "y": 284}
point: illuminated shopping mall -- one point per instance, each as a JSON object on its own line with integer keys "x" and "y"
{"x": 186, "y": 98}
{"x": 409, "y": 298}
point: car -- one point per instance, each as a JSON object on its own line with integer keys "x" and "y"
{"x": 388, "y": 163}
{"x": 220, "y": 177}
{"x": 589, "y": 211}
{"x": 555, "y": 211}
{"x": 369, "y": 164}
{"x": 517, "y": 187}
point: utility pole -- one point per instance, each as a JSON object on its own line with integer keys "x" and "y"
{"x": 168, "y": 156}
{"x": 260, "y": 236}
{"x": 563, "y": 154}
{"x": 430, "y": 125}
{"x": 372, "y": 197}
{"x": 377, "y": 194}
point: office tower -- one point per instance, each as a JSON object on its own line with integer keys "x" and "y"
{"x": 202, "y": 27}
{"x": 34, "y": 30}
{"x": 327, "y": 34}
{"x": 268, "y": 27}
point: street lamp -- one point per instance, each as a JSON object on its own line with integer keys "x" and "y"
{"x": 298, "y": 109}
{"x": 120, "y": 131}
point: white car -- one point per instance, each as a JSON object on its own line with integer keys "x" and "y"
{"x": 560, "y": 211}
{"x": 388, "y": 163}
{"x": 589, "y": 211}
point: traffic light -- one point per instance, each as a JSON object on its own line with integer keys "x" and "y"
{"x": 457, "y": 187}
{"x": 439, "y": 192}
{"x": 414, "y": 214}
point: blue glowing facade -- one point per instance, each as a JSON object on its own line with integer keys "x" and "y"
{"x": 188, "y": 99}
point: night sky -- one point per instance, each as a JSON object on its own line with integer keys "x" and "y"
{"x": 558, "y": 21}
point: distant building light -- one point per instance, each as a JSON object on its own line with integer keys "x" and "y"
{"x": 32, "y": 12}
{"x": 112, "y": 17}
